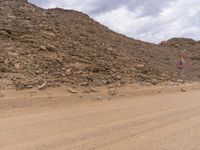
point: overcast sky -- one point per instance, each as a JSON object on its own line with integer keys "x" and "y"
{"x": 148, "y": 20}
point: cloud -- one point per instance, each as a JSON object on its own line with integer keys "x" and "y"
{"x": 95, "y": 7}
{"x": 148, "y": 20}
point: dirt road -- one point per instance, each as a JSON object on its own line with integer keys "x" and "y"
{"x": 164, "y": 121}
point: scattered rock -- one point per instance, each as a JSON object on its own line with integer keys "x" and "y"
{"x": 1, "y": 95}
{"x": 93, "y": 90}
{"x": 68, "y": 71}
{"x": 29, "y": 86}
{"x": 43, "y": 48}
{"x": 118, "y": 77}
{"x": 86, "y": 91}
{"x": 21, "y": 85}
{"x": 71, "y": 90}
{"x": 17, "y": 66}
{"x": 51, "y": 48}
{"x": 110, "y": 48}
{"x": 183, "y": 90}
{"x": 99, "y": 98}
{"x": 110, "y": 86}
{"x": 43, "y": 86}
{"x": 14, "y": 54}
{"x": 140, "y": 66}
{"x": 84, "y": 84}
{"x": 118, "y": 85}
{"x": 154, "y": 81}
{"x": 113, "y": 92}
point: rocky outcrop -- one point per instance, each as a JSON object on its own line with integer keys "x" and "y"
{"x": 58, "y": 46}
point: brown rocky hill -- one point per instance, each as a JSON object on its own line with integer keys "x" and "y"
{"x": 192, "y": 49}
{"x": 58, "y": 46}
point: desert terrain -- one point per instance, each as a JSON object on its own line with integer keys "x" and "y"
{"x": 68, "y": 82}
{"x": 140, "y": 118}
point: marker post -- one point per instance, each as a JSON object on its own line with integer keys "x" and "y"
{"x": 181, "y": 66}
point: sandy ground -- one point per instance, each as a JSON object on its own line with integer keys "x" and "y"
{"x": 152, "y": 118}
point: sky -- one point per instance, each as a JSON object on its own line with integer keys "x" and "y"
{"x": 147, "y": 20}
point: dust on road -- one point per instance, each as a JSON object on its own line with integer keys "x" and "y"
{"x": 157, "y": 121}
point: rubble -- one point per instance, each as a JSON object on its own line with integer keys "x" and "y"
{"x": 99, "y": 98}
{"x": 183, "y": 90}
{"x": 113, "y": 92}
{"x": 43, "y": 86}
{"x": 66, "y": 47}
{"x": 71, "y": 90}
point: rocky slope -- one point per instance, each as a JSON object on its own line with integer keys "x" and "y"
{"x": 192, "y": 49}
{"x": 58, "y": 46}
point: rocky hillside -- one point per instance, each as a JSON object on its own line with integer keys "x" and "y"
{"x": 58, "y": 46}
{"x": 192, "y": 49}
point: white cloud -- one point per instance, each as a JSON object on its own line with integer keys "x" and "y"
{"x": 87, "y": 6}
{"x": 149, "y": 20}
{"x": 179, "y": 19}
